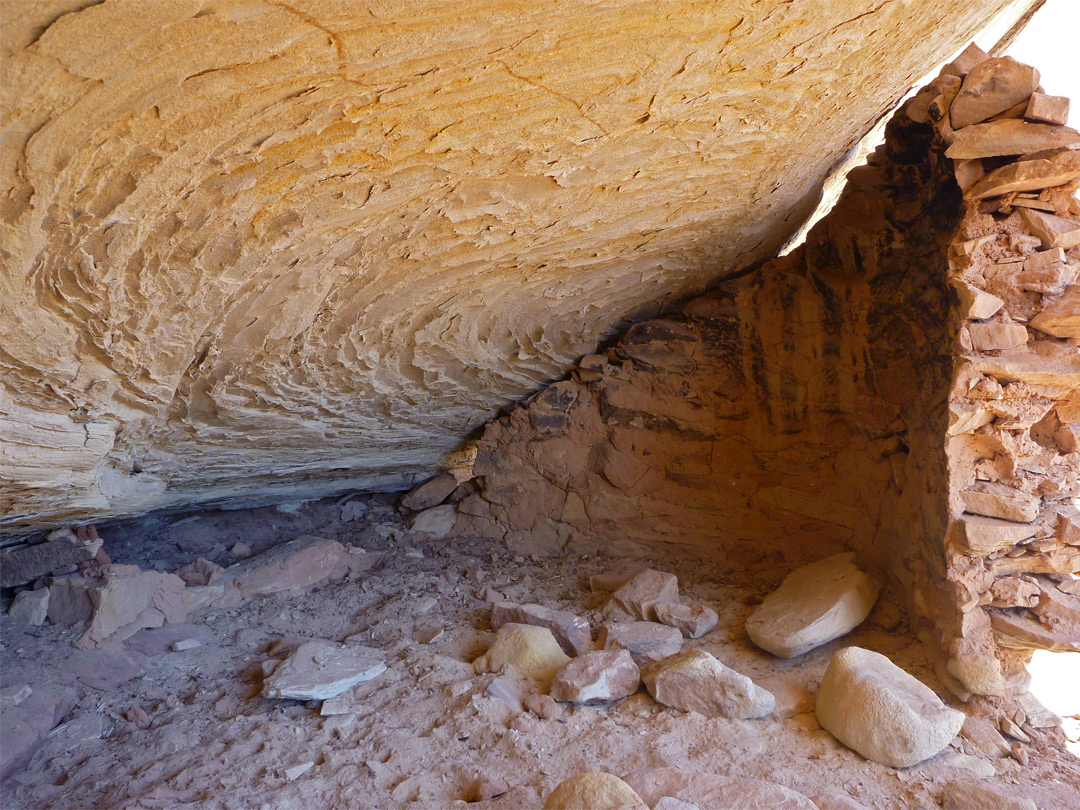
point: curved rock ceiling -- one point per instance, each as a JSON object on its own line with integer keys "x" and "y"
{"x": 262, "y": 249}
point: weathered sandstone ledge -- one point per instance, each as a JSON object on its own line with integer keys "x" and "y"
{"x": 261, "y": 250}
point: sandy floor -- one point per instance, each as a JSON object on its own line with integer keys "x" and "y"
{"x": 423, "y": 732}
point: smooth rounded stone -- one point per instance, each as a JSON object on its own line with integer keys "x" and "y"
{"x": 692, "y": 622}
{"x": 879, "y": 710}
{"x": 594, "y": 791}
{"x": 437, "y": 521}
{"x": 694, "y": 680}
{"x": 532, "y": 651}
{"x": 320, "y": 670}
{"x": 972, "y": 795}
{"x": 813, "y": 605}
{"x": 710, "y": 791}
{"x": 602, "y": 676}
{"x": 640, "y": 595}
{"x": 645, "y": 641}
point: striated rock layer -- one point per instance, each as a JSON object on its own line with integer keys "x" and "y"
{"x": 906, "y": 384}
{"x": 261, "y": 250}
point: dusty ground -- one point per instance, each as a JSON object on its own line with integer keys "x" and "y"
{"x": 424, "y": 731}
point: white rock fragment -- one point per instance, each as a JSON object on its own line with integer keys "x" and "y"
{"x": 296, "y": 771}
{"x": 879, "y": 710}
{"x": 185, "y": 644}
{"x": 319, "y": 670}
{"x": 694, "y": 680}
{"x": 813, "y": 605}
{"x": 645, "y": 641}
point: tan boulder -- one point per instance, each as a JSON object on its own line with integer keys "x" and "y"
{"x": 1025, "y": 175}
{"x": 645, "y": 641}
{"x": 975, "y": 304}
{"x": 594, "y": 791}
{"x": 979, "y": 536}
{"x": 879, "y": 710}
{"x": 692, "y": 621}
{"x": 1054, "y": 231}
{"x": 532, "y": 651}
{"x": 571, "y": 631}
{"x": 989, "y": 337}
{"x": 813, "y": 605}
{"x": 294, "y": 566}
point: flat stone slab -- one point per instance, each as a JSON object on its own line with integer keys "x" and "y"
{"x": 598, "y": 677}
{"x": 320, "y": 670}
{"x": 694, "y": 680}
{"x": 293, "y": 566}
{"x": 1009, "y": 136}
{"x": 879, "y": 710}
{"x": 570, "y": 630}
{"x": 645, "y": 641}
{"x": 708, "y": 790}
{"x": 813, "y": 605}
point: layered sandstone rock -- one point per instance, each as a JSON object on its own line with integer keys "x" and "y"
{"x": 254, "y": 251}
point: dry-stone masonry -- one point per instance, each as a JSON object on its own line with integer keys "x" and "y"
{"x": 906, "y": 385}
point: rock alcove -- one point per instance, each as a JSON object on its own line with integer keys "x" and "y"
{"x": 903, "y": 385}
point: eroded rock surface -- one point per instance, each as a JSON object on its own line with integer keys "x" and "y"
{"x": 256, "y": 253}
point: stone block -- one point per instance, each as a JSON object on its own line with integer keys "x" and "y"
{"x": 594, "y": 791}
{"x": 1049, "y": 109}
{"x": 1061, "y": 319}
{"x": 990, "y": 337}
{"x": 1009, "y": 136}
{"x": 320, "y": 670}
{"x": 1001, "y": 501}
{"x": 62, "y": 549}
{"x": 1054, "y": 231}
{"x": 1026, "y": 175}
{"x": 692, "y": 621}
{"x": 430, "y": 493}
{"x": 644, "y": 590}
{"x": 975, "y": 304}
{"x": 293, "y": 566}
{"x": 532, "y": 651}
{"x": 978, "y": 536}
{"x": 30, "y": 607}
